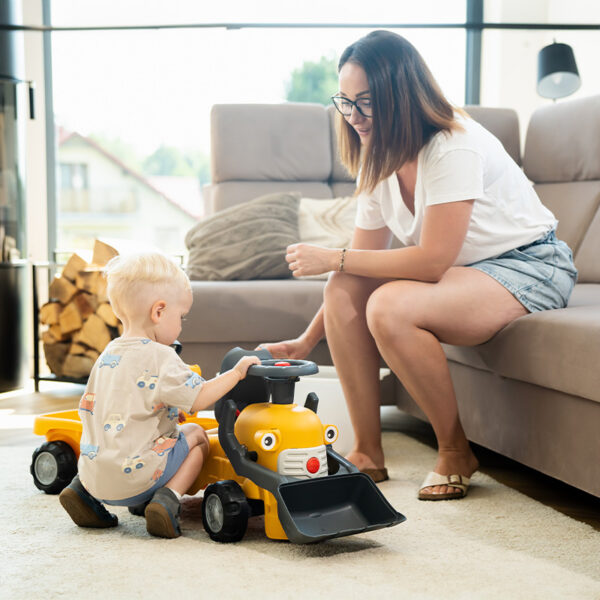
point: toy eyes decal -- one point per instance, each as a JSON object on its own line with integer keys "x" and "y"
{"x": 331, "y": 434}
{"x": 267, "y": 440}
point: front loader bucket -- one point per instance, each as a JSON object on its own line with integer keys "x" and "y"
{"x": 327, "y": 507}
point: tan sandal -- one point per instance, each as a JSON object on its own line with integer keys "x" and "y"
{"x": 377, "y": 475}
{"x": 460, "y": 482}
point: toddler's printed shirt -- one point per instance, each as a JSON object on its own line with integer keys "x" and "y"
{"x": 129, "y": 412}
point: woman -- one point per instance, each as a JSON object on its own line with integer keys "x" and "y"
{"x": 479, "y": 251}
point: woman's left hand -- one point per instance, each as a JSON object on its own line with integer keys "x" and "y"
{"x": 306, "y": 259}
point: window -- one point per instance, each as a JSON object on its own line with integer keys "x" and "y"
{"x": 139, "y": 106}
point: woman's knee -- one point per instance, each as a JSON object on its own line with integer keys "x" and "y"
{"x": 345, "y": 293}
{"x": 388, "y": 311}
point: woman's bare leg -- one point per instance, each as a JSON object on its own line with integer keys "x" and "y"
{"x": 410, "y": 319}
{"x": 357, "y": 362}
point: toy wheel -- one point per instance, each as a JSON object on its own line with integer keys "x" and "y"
{"x": 53, "y": 466}
{"x": 225, "y": 511}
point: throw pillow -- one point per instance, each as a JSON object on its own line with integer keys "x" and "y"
{"x": 246, "y": 241}
{"x": 328, "y": 223}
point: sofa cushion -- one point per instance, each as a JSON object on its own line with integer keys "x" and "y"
{"x": 557, "y": 349}
{"x": 503, "y": 123}
{"x": 231, "y": 193}
{"x": 563, "y": 142}
{"x": 328, "y": 223}
{"x": 245, "y": 311}
{"x": 270, "y": 142}
{"x": 574, "y": 204}
{"x": 246, "y": 241}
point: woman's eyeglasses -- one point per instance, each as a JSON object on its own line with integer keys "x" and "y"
{"x": 344, "y": 106}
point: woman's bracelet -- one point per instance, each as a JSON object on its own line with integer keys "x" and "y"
{"x": 342, "y": 257}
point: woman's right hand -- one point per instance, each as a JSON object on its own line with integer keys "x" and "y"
{"x": 296, "y": 349}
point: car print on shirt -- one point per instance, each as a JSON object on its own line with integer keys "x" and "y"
{"x": 147, "y": 380}
{"x": 109, "y": 360}
{"x": 88, "y": 450}
{"x": 87, "y": 402}
{"x": 131, "y": 464}
{"x": 194, "y": 380}
{"x": 157, "y": 475}
{"x": 163, "y": 444}
{"x": 173, "y": 413}
{"x": 114, "y": 422}
{"x": 158, "y": 407}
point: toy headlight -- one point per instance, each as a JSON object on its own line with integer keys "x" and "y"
{"x": 331, "y": 434}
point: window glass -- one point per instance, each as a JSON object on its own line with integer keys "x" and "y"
{"x": 133, "y": 105}
{"x": 509, "y": 68}
{"x": 68, "y": 13}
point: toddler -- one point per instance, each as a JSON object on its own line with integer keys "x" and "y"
{"x": 134, "y": 452}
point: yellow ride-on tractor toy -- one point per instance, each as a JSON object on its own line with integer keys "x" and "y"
{"x": 270, "y": 457}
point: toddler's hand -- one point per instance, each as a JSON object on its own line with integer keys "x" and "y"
{"x": 241, "y": 368}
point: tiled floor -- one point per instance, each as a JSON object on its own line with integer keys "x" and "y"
{"x": 18, "y": 410}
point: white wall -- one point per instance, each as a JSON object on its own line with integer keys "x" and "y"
{"x": 509, "y": 58}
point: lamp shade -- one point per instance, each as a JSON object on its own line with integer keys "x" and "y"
{"x": 557, "y": 71}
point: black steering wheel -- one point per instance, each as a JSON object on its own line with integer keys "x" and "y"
{"x": 283, "y": 368}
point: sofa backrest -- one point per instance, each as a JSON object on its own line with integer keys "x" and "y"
{"x": 562, "y": 158}
{"x": 258, "y": 149}
{"x": 503, "y": 123}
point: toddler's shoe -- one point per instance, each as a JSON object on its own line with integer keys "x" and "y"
{"x": 138, "y": 510}
{"x": 162, "y": 514}
{"x": 84, "y": 509}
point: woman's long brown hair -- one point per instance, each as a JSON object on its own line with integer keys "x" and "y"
{"x": 408, "y": 108}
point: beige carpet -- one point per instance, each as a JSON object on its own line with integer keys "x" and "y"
{"x": 497, "y": 543}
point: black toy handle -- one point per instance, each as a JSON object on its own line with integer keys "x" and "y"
{"x": 238, "y": 455}
{"x": 283, "y": 368}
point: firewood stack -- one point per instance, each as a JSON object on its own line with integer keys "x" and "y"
{"x": 80, "y": 321}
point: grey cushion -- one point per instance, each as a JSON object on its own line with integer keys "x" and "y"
{"x": 244, "y": 242}
{"x": 270, "y": 142}
{"x": 238, "y": 312}
{"x": 563, "y": 142}
{"x": 557, "y": 349}
{"x": 503, "y": 123}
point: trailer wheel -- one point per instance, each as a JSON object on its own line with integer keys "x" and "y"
{"x": 53, "y": 466}
{"x": 225, "y": 511}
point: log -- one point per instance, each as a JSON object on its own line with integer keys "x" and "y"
{"x": 55, "y": 357}
{"x": 73, "y": 266}
{"x": 86, "y": 304}
{"x": 88, "y": 280}
{"x": 77, "y": 348}
{"x": 57, "y": 333}
{"x": 49, "y": 313}
{"x": 105, "y": 312}
{"x": 62, "y": 290}
{"x": 80, "y": 321}
{"x": 77, "y": 365}
{"x": 102, "y": 253}
{"x": 94, "y": 333}
{"x": 69, "y": 319}
{"x": 48, "y": 338}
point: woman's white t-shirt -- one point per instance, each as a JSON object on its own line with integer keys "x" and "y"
{"x": 470, "y": 164}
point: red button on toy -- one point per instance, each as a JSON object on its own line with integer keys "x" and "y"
{"x": 283, "y": 364}
{"x": 313, "y": 465}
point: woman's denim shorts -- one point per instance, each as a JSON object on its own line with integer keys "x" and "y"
{"x": 177, "y": 455}
{"x": 540, "y": 275}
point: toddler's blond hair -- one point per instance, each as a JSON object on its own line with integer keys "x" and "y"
{"x": 135, "y": 281}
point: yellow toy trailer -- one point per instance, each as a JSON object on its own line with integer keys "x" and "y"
{"x": 270, "y": 457}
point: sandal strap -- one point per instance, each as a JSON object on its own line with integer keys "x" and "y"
{"x": 458, "y": 481}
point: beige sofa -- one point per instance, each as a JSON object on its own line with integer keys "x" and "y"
{"x": 531, "y": 393}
